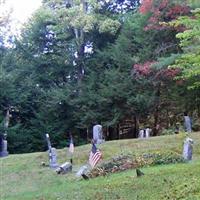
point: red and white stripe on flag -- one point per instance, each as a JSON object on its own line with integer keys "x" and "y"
{"x": 94, "y": 158}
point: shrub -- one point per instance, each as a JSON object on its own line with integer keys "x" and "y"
{"x": 125, "y": 162}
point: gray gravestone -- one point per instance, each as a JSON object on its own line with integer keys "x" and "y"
{"x": 188, "y": 124}
{"x": 52, "y": 154}
{"x": 4, "y": 146}
{"x": 53, "y": 158}
{"x": 187, "y": 149}
{"x": 83, "y": 170}
{"x": 98, "y": 134}
{"x": 64, "y": 168}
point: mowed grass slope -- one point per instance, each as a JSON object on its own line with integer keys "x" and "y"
{"x": 23, "y": 177}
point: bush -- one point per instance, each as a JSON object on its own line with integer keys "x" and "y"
{"x": 124, "y": 162}
{"x": 168, "y": 131}
{"x": 196, "y": 126}
{"x": 166, "y": 158}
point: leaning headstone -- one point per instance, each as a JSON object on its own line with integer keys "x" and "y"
{"x": 3, "y": 147}
{"x": 187, "y": 149}
{"x": 52, "y": 154}
{"x": 98, "y": 134}
{"x": 64, "y": 168}
{"x": 48, "y": 141}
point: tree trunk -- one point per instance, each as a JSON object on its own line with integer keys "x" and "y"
{"x": 156, "y": 112}
{"x": 136, "y": 126}
{"x": 80, "y": 42}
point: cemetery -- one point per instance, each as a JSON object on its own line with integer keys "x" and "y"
{"x": 99, "y": 99}
{"x": 166, "y": 174}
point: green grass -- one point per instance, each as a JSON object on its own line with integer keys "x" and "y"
{"x": 22, "y": 177}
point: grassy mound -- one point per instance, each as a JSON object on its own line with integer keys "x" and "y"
{"x": 23, "y": 177}
{"x": 125, "y": 162}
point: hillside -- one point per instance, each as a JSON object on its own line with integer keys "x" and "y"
{"x": 23, "y": 177}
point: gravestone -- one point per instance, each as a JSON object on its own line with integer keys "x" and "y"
{"x": 148, "y": 132}
{"x": 3, "y": 146}
{"x": 187, "y": 149}
{"x": 98, "y": 134}
{"x": 83, "y": 170}
{"x": 141, "y": 133}
{"x": 145, "y": 133}
{"x": 53, "y": 158}
{"x": 52, "y": 154}
{"x": 64, "y": 168}
{"x": 187, "y": 123}
{"x": 3, "y": 141}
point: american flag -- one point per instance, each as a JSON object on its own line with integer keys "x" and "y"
{"x": 71, "y": 145}
{"x": 95, "y": 156}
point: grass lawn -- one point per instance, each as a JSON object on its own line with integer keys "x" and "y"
{"x": 23, "y": 178}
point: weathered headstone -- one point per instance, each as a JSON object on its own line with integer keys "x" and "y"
{"x": 141, "y": 133}
{"x": 187, "y": 123}
{"x": 98, "y": 134}
{"x": 145, "y": 133}
{"x": 64, "y": 168}
{"x": 83, "y": 170}
{"x": 53, "y": 158}
{"x": 52, "y": 154}
{"x": 3, "y": 141}
{"x": 187, "y": 149}
{"x": 148, "y": 132}
{"x": 3, "y": 146}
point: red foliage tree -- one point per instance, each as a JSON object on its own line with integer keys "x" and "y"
{"x": 146, "y": 6}
{"x": 142, "y": 69}
{"x": 162, "y": 11}
{"x": 160, "y": 80}
{"x": 147, "y": 70}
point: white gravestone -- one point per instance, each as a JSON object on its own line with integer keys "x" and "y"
{"x": 187, "y": 149}
{"x": 98, "y": 134}
{"x": 145, "y": 133}
{"x": 141, "y": 133}
{"x": 148, "y": 132}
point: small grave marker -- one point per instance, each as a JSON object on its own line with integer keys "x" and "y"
{"x": 188, "y": 148}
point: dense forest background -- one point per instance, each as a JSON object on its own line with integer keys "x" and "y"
{"x": 78, "y": 62}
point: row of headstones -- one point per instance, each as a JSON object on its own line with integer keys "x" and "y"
{"x": 187, "y": 146}
{"x": 67, "y": 166}
{"x": 63, "y": 168}
{"x": 145, "y": 133}
{"x": 3, "y": 146}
